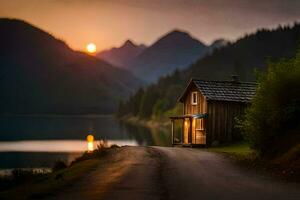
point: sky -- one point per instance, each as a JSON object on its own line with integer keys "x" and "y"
{"x": 109, "y": 23}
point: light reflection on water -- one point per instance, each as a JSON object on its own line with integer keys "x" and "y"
{"x": 56, "y": 145}
{"x": 39, "y": 141}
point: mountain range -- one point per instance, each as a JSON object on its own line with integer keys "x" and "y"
{"x": 175, "y": 50}
{"x": 241, "y": 58}
{"x": 122, "y": 55}
{"x": 41, "y": 74}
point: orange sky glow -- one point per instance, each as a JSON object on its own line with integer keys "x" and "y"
{"x": 109, "y": 23}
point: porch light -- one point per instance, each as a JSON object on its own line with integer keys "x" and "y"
{"x": 90, "y": 141}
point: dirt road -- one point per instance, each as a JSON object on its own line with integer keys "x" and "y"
{"x": 175, "y": 173}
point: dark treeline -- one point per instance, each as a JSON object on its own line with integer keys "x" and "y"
{"x": 241, "y": 58}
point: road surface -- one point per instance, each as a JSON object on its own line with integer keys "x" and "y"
{"x": 147, "y": 173}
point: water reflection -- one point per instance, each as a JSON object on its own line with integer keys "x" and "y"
{"x": 15, "y": 128}
{"x": 39, "y": 141}
{"x": 55, "y": 145}
{"x": 34, "y": 159}
{"x": 145, "y": 136}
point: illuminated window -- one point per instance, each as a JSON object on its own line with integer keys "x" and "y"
{"x": 194, "y": 98}
{"x": 200, "y": 124}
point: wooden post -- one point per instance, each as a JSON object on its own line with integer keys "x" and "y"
{"x": 172, "y": 132}
{"x": 182, "y": 131}
{"x": 191, "y": 130}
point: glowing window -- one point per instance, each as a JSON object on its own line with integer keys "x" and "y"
{"x": 194, "y": 98}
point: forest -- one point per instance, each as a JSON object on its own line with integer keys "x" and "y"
{"x": 244, "y": 57}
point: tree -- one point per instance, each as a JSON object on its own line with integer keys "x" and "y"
{"x": 274, "y": 114}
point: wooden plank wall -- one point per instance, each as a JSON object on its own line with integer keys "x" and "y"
{"x": 198, "y": 137}
{"x": 221, "y": 120}
{"x": 201, "y": 107}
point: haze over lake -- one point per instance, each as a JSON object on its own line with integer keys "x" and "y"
{"x": 38, "y": 141}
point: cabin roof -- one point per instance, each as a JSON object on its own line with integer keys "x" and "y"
{"x": 224, "y": 90}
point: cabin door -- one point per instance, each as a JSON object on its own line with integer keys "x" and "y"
{"x": 187, "y": 136}
{"x": 200, "y": 131}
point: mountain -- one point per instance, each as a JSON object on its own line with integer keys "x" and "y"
{"x": 122, "y": 55}
{"x": 218, "y": 44}
{"x": 240, "y": 58}
{"x": 41, "y": 74}
{"x": 174, "y": 50}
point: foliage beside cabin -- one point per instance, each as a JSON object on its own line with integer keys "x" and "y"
{"x": 272, "y": 123}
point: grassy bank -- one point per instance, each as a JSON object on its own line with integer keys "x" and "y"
{"x": 235, "y": 149}
{"x": 285, "y": 166}
{"x": 50, "y": 183}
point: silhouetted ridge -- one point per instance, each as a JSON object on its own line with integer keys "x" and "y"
{"x": 122, "y": 55}
{"x": 176, "y": 49}
{"x": 40, "y": 74}
{"x": 129, "y": 43}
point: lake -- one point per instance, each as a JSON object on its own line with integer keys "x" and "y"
{"x": 39, "y": 141}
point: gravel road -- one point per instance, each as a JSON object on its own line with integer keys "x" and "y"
{"x": 146, "y": 173}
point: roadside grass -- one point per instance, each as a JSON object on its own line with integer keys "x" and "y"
{"x": 288, "y": 164}
{"x": 285, "y": 166}
{"x": 50, "y": 183}
{"x": 235, "y": 149}
{"x": 239, "y": 152}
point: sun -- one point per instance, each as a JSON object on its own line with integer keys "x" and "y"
{"x": 91, "y": 48}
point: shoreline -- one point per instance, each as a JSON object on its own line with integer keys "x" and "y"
{"x": 58, "y": 115}
{"x": 162, "y": 124}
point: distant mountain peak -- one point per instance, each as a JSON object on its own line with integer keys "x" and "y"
{"x": 174, "y": 50}
{"x": 178, "y": 36}
{"x": 177, "y": 33}
{"x": 119, "y": 56}
{"x": 218, "y": 43}
{"x": 129, "y": 43}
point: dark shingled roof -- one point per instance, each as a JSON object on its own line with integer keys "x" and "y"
{"x": 225, "y": 90}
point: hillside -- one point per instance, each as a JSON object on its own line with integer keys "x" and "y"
{"x": 41, "y": 74}
{"x": 120, "y": 56}
{"x": 176, "y": 49}
{"x": 242, "y": 58}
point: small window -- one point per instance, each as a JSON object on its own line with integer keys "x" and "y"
{"x": 194, "y": 98}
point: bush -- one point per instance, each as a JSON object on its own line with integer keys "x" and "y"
{"x": 58, "y": 165}
{"x": 275, "y": 109}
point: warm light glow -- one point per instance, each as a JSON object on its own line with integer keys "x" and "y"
{"x": 91, "y": 48}
{"x": 185, "y": 123}
{"x": 90, "y": 140}
{"x": 90, "y": 146}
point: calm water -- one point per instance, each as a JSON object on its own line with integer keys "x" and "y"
{"x": 39, "y": 141}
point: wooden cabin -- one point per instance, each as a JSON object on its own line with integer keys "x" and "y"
{"x": 210, "y": 109}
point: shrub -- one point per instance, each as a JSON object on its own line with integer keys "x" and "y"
{"x": 58, "y": 165}
{"x": 275, "y": 109}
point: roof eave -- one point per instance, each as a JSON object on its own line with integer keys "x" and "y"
{"x": 233, "y": 101}
{"x": 181, "y": 99}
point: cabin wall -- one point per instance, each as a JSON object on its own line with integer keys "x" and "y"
{"x": 198, "y": 125}
{"x": 194, "y": 109}
{"x": 221, "y": 121}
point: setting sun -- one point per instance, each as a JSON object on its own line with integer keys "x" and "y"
{"x": 91, "y": 48}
